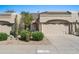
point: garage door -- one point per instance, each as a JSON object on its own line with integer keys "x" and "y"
{"x": 54, "y": 29}
{"x": 5, "y": 29}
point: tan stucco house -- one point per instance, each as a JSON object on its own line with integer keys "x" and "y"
{"x": 59, "y": 22}
{"x": 7, "y": 20}
{"x": 49, "y": 22}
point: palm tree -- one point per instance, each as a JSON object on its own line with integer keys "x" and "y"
{"x": 27, "y": 19}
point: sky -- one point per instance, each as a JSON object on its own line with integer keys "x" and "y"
{"x": 40, "y": 8}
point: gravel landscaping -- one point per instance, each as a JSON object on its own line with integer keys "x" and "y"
{"x": 19, "y": 42}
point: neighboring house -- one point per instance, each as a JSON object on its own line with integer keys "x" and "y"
{"x": 49, "y": 22}
{"x": 6, "y": 22}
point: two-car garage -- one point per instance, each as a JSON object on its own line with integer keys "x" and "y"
{"x": 55, "y": 28}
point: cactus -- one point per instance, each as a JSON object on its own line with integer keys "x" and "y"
{"x": 16, "y": 26}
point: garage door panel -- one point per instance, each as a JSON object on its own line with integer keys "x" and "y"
{"x": 54, "y": 29}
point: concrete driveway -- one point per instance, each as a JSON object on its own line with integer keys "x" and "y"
{"x": 65, "y": 43}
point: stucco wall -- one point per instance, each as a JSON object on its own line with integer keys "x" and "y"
{"x": 7, "y": 17}
{"x": 60, "y": 16}
{"x": 45, "y": 19}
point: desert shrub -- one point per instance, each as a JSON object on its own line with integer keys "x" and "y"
{"x": 77, "y": 32}
{"x": 3, "y": 36}
{"x": 25, "y": 35}
{"x": 37, "y": 36}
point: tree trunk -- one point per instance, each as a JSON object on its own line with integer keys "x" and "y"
{"x": 25, "y": 27}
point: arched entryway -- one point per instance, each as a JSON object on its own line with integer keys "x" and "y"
{"x": 56, "y": 27}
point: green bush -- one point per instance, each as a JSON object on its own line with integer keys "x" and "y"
{"x": 25, "y": 35}
{"x": 3, "y": 36}
{"x": 37, "y": 36}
